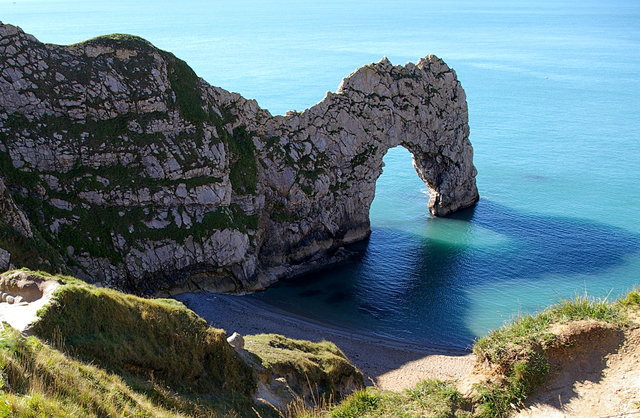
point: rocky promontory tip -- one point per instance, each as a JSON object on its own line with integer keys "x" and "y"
{"x": 119, "y": 164}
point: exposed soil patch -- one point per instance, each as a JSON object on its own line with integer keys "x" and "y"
{"x": 595, "y": 372}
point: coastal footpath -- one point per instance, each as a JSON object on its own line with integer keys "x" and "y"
{"x": 120, "y": 166}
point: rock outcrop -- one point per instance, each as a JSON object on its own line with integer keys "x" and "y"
{"x": 127, "y": 169}
{"x": 5, "y": 259}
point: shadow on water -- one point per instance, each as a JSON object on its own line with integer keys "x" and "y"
{"x": 544, "y": 245}
{"x": 420, "y": 288}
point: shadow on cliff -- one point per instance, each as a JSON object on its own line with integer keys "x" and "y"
{"x": 437, "y": 293}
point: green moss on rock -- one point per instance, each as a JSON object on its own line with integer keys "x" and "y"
{"x": 35, "y": 252}
{"x": 322, "y": 365}
{"x": 184, "y": 83}
{"x": 119, "y": 40}
{"x": 363, "y": 156}
{"x": 243, "y": 170}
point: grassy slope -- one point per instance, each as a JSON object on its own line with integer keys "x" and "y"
{"x": 38, "y": 380}
{"x": 100, "y": 352}
{"x": 149, "y": 357}
{"x": 518, "y": 350}
{"x": 154, "y": 357}
{"x": 157, "y": 338}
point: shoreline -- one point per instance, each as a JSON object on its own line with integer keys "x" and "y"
{"x": 386, "y": 363}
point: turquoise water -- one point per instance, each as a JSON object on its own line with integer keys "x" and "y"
{"x": 553, "y": 91}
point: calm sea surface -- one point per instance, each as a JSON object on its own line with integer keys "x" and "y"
{"x": 554, "y": 98}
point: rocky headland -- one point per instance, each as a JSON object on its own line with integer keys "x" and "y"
{"x": 119, "y": 165}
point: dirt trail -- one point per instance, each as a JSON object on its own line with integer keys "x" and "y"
{"x": 604, "y": 387}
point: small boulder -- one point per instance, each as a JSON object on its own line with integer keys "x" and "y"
{"x": 236, "y": 341}
{"x": 23, "y": 283}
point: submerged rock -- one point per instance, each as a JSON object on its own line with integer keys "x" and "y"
{"x": 137, "y": 174}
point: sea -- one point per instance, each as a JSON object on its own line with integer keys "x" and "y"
{"x": 553, "y": 89}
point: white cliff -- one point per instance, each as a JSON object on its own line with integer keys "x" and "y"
{"x": 139, "y": 175}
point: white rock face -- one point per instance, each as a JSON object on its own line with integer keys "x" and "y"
{"x": 11, "y": 215}
{"x": 159, "y": 181}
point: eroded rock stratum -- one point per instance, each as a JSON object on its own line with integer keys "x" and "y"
{"x": 122, "y": 166}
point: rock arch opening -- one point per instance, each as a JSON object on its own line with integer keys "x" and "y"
{"x": 400, "y": 194}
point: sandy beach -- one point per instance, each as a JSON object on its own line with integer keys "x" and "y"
{"x": 386, "y": 363}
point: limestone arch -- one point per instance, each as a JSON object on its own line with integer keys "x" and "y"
{"x": 421, "y": 107}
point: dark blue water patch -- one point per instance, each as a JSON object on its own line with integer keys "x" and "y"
{"x": 546, "y": 244}
{"x": 537, "y": 177}
{"x": 309, "y": 293}
{"x": 338, "y": 297}
{"x": 417, "y": 288}
{"x": 371, "y": 310}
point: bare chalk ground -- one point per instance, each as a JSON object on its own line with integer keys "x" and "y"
{"x": 19, "y": 312}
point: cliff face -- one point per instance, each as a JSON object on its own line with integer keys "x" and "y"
{"x": 121, "y": 165}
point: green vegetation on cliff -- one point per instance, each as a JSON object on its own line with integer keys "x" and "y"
{"x": 119, "y": 40}
{"x": 529, "y": 330}
{"x": 34, "y": 252}
{"x": 39, "y": 381}
{"x": 169, "y": 116}
{"x": 100, "y": 352}
{"x": 632, "y": 300}
{"x": 157, "y": 338}
{"x": 314, "y": 368}
{"x": 518, "y": 358}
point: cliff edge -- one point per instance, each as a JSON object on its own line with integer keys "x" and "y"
{"x": 118, "y": 164}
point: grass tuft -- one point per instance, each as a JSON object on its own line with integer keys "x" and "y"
{"x": 534, "y": 329}
{"x": 320, "y": 365}
{"x": 632, "y": 299}
{"x": 429, "y": 398}
{"x": 359, "y": 404}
